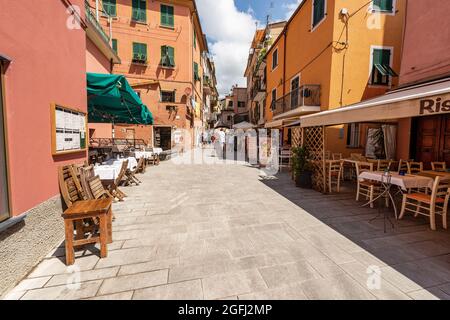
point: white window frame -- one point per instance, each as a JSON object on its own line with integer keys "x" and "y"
{"x": 314, "y": 27}
{"x": 295, "y": 77}
{"x": 278, "y": 58}
{"x": 394, "y": 9}
{"x": 372, "y": 48}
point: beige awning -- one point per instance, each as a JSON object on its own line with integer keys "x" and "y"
{"x": 280, "y": 123}
{"x": 420, "y": 100}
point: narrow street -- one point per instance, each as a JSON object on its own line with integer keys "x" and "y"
{"x": 224, "y": 232}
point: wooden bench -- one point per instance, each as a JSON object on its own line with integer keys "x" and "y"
{"x": 95, "y": 209}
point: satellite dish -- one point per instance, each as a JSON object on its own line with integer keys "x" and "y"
{"x": 188, "y": 91}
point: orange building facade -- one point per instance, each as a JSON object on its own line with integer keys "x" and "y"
{"x": 161, "y": 46}
{"x": 324, "y": 59}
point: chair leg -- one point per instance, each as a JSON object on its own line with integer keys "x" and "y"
{"x": 402, "y": 211}
{"x": 433, "y": 218}
{"x": 357, "y": 192}
{"x": 371, "y": 196}
{"x": 70, "y": 259}
{"x": 444, "y": 217}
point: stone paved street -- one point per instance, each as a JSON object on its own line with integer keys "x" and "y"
{"x": 223, "y": 232}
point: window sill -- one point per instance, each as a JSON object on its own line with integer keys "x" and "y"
{"x": 167, "y": 67}
{"x": 139, "y": 63}
{"x": 167, "y": 27}
{"x": 139, "y": 22}
{"x": 314, "y": 27}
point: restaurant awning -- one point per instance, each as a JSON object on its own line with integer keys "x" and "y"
{"x": 112, "y": 100}
{"x": 281, "y": 123}
{"x": 244, "y": 125}
{"x": 420, "y": 100}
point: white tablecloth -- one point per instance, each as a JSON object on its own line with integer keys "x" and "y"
{"x": 405, "y": 182}
{"x": 158, "y": 151}
{"x": 132, "y": 162}
{"x": 106, "y": 172}
{"x": 145, "y": 154}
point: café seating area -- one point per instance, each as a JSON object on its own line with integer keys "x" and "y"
{"x": 401, "y": 186}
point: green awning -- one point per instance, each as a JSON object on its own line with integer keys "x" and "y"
{"x": 112, "y": 100}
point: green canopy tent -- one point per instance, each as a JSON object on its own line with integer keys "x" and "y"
{"x": 112, "y": 100}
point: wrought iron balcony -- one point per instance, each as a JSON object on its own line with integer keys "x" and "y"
{"x": 305, "y": 96}
{"x": 258, "y": 90}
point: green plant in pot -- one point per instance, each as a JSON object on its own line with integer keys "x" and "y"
{"x": 302, "y": 167}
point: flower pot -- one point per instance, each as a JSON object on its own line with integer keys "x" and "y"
{"x": 304, "y": 180}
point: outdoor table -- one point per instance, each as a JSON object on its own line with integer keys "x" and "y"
{"x": 106, "y": 172}
{"x": 408, "y": 181}
{"x": 132, "y": 162}
{"x": 157, "y": 151}
{"x": 433, "y": 174}
{"x": 143, "y": 154}
{"x": 404, "y": 183}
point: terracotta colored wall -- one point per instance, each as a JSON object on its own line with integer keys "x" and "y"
{"x": 96, "y": 62}
{"x": 49, "y": 65}
{"x": 404, "y": 138}
{"x": 140, "y": 132}
{"x": 274, "y": 77}
{"x": 101, "y": 130}
{"x": 426, "y": 45}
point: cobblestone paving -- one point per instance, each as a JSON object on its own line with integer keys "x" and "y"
{"x": 224, "y": 232}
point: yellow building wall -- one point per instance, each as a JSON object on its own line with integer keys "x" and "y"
{"x": 275, "y": 76}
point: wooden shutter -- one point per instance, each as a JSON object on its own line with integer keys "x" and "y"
{"x": 143, "y": 10}
{"x": 170, "y": 17}
{"x": 110, "y": 7}
{"x": 114, "y": 45}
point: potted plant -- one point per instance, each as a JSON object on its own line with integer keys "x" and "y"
{"x": 301, "y": 167}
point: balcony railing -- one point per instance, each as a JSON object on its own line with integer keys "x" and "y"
{"x": 305, "y": 96}
{"x": 91, "y": 17}
{"x": 258, "y": 87}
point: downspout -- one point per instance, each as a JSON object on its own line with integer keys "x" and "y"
{"x": 96, "y": 10}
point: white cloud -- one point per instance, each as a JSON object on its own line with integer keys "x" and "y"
{"x": 290, "y": 8}
{"x": 230, "y": 32}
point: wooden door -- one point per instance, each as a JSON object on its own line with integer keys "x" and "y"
{"x": 4, "y": 200}
{"x": 433, "y": 140}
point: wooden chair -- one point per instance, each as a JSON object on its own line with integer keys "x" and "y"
{"x": 285, "y": 159}
{"x": 383, "y": 165}
{"x": 327, "y": 155}
{"x": 402, "y": 166}
{"x": 92, "y": 221}
{"x": 414, "y": 167}
{"x": 79, "y": 211}
{"x": 429, "y": 205}
{"x": 334, "y": 171}
{"x": 114, "y": 187}
{"x": 439, "y": 166}
{"x": 366, "y": 188}
{"x": 131, "y": 174}
{"x": 336, "y": 156}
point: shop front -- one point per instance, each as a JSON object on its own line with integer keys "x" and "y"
{"x": 414, "y": 122}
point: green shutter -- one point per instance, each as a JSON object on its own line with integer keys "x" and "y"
{"x": 167, "y": 18}
{"x": 195, "y": 38}
{"x": 196, "y": 75}
{"x": 383, "y": 5}
{"x": 114, "y": 45}
{"x": 139, "y": 10}
{"x": 109, "y": 6}
{"x": 140, "y": 52}
{"x": 171, "y": 53}
{"x": 318, "y": 11}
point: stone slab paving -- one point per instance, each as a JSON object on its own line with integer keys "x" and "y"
{"x": 224, "y": 231}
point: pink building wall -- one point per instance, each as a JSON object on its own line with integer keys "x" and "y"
{"x": 96, "y": 61}
{"x": 100, "y": 130}
{"x": 48, "y": 65}
{"x": 426, "y": 51}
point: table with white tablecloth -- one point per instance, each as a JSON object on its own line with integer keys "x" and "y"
{"x": 107, "y": 172}
{"x": 132, "y": 162}
{"x": 157, "y": 151}
{"x": 143, "y": 154}
{"x": 408, "y": 181}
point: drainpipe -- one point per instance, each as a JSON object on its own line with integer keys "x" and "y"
{"x": 96, "y": 10}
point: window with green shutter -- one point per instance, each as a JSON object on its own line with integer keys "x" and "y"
{"x": 195, "y": 38}
{"x": 114, "y": 45}
{"x": 167, "y": 17}
{"x": 196, "y": 73}
{"x": 139, "y": 52}
{"x": 167, "y": 56}
{"x": 109, "y": 7}
{"x": 139, "y": 10}
{"x": 381, "y": 67}
{"x": 318, "y": 11}
{"x": 383, "y": 5}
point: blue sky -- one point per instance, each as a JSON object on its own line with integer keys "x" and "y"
{"x": 230, "y": 26}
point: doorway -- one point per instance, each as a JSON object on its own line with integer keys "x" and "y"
{"x": 163, "y": 138}
{"x": 432, "y": 139}
{"x": 4, "y": 199}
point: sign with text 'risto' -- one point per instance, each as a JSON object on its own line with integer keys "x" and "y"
{"x": 434, "y": 106}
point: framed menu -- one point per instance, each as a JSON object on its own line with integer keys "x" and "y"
{"x": 69, "y": 128}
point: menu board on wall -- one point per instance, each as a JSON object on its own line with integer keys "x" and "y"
{"x": 69, "y": 129}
